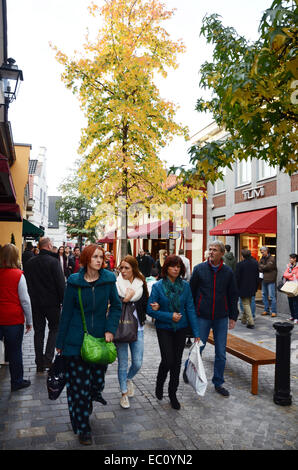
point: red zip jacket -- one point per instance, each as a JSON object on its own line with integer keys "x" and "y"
{"x": 11, "y": 312}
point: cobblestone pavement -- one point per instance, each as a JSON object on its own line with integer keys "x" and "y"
{"x": 29, "y": 420}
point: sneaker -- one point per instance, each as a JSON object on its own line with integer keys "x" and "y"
{"x": 296, "y": 322}
{"x": 273, "y": 314}
{"x": 130, "y": 389}
{"x": 265, "y": 313}
{"x": 124, "y": 401}
{"x": 222, "y": 391}
{"x": 24, "y": 384}
{"x": 291, "y": 319}
{"x": 250, "y": 326}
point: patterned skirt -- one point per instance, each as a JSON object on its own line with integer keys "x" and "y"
{"x": 84, "y": 384}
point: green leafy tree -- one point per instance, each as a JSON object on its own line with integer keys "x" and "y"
{"x": 75, "y": 209}
{"x": 254, "y": 96}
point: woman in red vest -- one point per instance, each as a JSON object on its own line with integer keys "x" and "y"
{"x": 15, "y": 307}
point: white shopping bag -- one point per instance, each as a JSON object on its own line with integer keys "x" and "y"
{"x": 195, "y": 371}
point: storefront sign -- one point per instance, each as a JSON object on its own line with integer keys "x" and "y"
{"x": 174, "y": 235}
{"x": 253, "y": 192}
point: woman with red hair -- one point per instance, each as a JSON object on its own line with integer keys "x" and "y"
{"x": 85, "y": 381}
{"x": 171, "y": 304}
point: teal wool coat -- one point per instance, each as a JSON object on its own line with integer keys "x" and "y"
{"x": 102, "y": 308}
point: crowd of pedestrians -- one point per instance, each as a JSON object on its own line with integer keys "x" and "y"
{"x": 44, "y": 290}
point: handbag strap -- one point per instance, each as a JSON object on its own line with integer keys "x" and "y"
{"x": 82, "y": 310}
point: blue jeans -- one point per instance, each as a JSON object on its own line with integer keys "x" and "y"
{"x": 220, "y": 330}
{"x": 13, "y": 337}
{"x": 252, "y": 306}
{"x": 268, "y": 290}
{"x": 136, "y": 351}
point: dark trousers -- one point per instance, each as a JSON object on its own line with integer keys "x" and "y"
{"x": 40, "y": 317}
{"x": 84, "y": 384}
{"x": 13, "y": 339}
{"x": 171, "y": 345}
{"x": 293, "y": 304}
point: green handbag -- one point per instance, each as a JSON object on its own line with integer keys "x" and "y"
{"x": 95, "y": 350}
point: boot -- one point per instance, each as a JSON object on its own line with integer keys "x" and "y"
{"x": 174, "y": 402}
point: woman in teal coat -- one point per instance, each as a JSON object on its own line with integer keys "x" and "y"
{"x": 85, "y": 381}
{"x": 171, "y": 304}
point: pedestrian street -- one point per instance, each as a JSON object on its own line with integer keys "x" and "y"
{"x": 29, "y": 420}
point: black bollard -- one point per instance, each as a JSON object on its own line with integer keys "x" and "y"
{"x": 282, "y": 394}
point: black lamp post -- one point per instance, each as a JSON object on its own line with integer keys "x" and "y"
{"x": 10, "y": 77}
{"x": 82, "y": 215}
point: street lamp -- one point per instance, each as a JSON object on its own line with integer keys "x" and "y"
{"x": 10, "y": 77}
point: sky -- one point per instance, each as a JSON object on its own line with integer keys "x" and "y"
{"x": 46, "y": 114}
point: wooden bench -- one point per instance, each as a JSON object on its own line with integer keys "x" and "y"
{"x": 248, "y": 352}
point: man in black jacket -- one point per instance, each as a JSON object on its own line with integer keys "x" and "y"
{"x": 46, "y": 285}
{"x": 247, "y": 278}
{"x": 28, "y": 253}
{"x": 145, "y": 263}
{"x": 215, "y": 295}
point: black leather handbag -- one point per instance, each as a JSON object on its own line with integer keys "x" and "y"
{"x": 127, "y": 331}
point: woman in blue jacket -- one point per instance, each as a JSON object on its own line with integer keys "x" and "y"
{"x": 171, "y": 304}
{"x": 85, "y": 381}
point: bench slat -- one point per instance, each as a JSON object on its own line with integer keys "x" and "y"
{"x": 248, "y": 352}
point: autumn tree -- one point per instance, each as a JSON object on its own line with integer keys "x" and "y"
{"x": 253, "y": 93}
{"x": 128, "y": 122}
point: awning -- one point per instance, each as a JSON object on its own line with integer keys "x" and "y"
{"x": 31, "y": 231}
{"x": 153, "y": 230}
{"x": 260, "y": 221}
{"x": 108, "y": 238}
{"x": 10, "y": 213}
{"x": 7, "y": 191}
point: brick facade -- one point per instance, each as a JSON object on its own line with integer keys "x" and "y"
{"x": 294, "y": 182}
{"x": 270, "y": 189}
{"x": 219, "y": 201}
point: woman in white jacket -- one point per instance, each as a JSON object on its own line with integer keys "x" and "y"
{"x": 132, "y": 287}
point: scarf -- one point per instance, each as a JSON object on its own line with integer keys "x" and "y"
{"x": 173, "y": 291}
{"x": 136, "y": 285}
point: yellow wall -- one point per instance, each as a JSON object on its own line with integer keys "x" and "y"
{"x": 19, "y": 174}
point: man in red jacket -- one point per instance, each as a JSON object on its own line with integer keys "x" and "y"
{"x": 76, "y": 258}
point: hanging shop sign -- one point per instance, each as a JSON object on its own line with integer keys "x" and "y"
{"x": 174, "y": 235}
{"x": 253, "y": 193}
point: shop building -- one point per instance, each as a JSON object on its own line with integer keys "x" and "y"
{"x": 180, "y": 227}
{"x": 254, "y": 205}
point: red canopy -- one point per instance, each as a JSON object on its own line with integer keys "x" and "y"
{"x": 108, "y": 238}
{"x": 10, "y": 213}
{"x": 260, "y": 221}
{"x": 153, "y": 230}
{"x": 9, "y": 194}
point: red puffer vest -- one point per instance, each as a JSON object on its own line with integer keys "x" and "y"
{"x": 11, "y": 312}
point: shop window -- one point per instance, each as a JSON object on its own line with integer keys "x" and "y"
{"x": 220, "y": 185}
{"x": 218, "y": 221}
{"x": 243, "y": 172}
{"x": 265, "y": 170}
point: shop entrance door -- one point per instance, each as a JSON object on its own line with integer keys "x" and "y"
{"x": 156, "y": 246}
